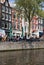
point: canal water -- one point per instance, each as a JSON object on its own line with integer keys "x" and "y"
{"x": 24, "y": 57}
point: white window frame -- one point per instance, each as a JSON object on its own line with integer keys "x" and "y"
{"x": 3, "y": 8}
{"x": 9, "y": 11}
{"x": 6, "y": 16}
{"x": 9, "y": 17}
{"x": 6, "y": 10}
{"x": 3, "y": 16}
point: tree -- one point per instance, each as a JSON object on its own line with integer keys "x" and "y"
{"x": 30, "y": 8}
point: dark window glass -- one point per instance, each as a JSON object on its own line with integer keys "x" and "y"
{"x": 3, "y": 8}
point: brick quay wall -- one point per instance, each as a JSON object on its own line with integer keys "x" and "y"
{"x": 7, "y": 46}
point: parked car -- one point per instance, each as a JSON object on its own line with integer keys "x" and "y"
{"x": 3, "y": 35}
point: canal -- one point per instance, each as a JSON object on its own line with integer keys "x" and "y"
{"x": 24, "y": 57}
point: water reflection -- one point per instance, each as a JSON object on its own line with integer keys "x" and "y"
{"x": 24, "y": 57}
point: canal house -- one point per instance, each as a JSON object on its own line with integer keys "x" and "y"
{"x": 37, "y": 26}
{"x": 5, "y": 16}
{"x": 16, "y": 22}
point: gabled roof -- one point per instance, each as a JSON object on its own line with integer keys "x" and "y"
{"x": 5, "y": 1}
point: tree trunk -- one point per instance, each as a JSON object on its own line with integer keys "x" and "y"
{"x": 29, "y": 26}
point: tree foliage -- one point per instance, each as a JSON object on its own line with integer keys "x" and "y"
{"x": 30, "y": 8}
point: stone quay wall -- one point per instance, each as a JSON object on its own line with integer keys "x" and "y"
{"x": 7, "y": 46}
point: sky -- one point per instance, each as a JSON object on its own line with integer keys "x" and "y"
{"x": 11, "y": 0}
{"x": 12, "y": 3}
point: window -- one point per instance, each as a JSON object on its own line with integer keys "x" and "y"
{"x": 9, "y": 11}
{"x": 6, "y": 25}
{"x": 3, "y": 24}
{"x": 41, "y": 21}
{"x": 14, "y": 16}
{"x": 18, "y": 26}
{"x": 41, "y": 28}
{"x": 9, "y": 25}
{"x": 14, "y": 25}
{"x": 3, "y": 9}
{"x": 9, "y": 17}
{"x": 3, "y": 16}
{"x": 6, "y": 17}
{"x": 6, "y": 10}
{"x": 6, "y": 4}
{"x": 36, "y": 27}
{"x": 32, "y": 26}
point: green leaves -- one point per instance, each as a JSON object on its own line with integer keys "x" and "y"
{"x": 30, "y": 8}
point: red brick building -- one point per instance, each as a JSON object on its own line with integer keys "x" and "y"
{"x": 37, "y": 25}
{"x": 16, "y": 21}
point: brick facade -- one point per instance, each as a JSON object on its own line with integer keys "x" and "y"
{"x": 16, "y": 21}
